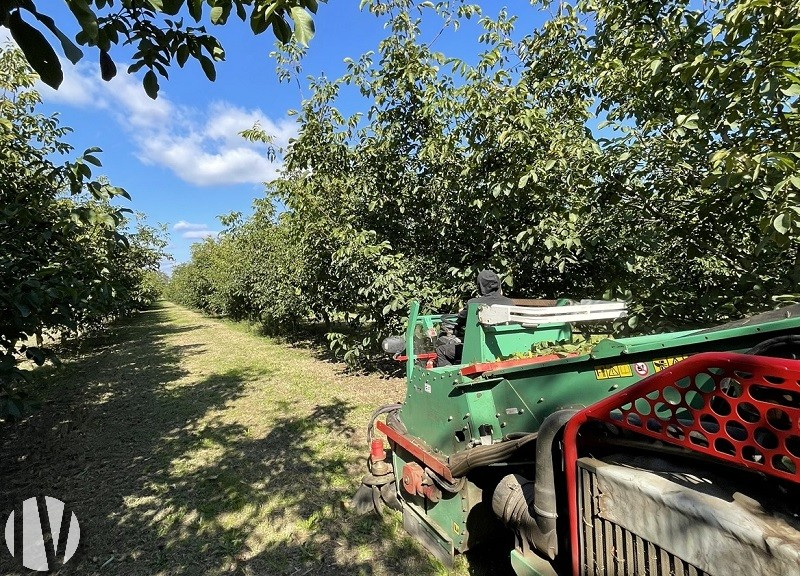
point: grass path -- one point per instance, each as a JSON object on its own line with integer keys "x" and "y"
{"x": 187, "y": 445}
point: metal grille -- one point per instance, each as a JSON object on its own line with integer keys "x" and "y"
{"x": 608, "y": 548}
{"x": 733, "y": 407}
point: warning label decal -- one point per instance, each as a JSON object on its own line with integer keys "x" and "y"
{"x": 664, "y": 363}
{"x": 618, "y": 371}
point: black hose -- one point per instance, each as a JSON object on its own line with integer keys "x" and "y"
{"x": 452, "y": 487}
{"x": 382, "y": 410}
{"x": 461, "y": 463}
{"x": 787, "y": 346}
{"x": 530, "y": 507}
{"x": 544, "y": 503}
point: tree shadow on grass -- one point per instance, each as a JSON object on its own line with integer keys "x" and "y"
{"x": 111, "y": 419}
{"x": 269, "y": 505}
{"x": 162, "y": 483}
{"x": 274, "y": 505}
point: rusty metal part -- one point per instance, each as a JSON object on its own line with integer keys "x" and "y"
{"x": 418, "y": 482}
{"x": 413, "y": 475}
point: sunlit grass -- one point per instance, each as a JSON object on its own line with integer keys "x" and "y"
{"x": 199, "y": 447}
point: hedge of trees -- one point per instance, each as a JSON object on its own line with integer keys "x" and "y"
{"x": 645, "y": 150}
{"x": 70, "y": 258}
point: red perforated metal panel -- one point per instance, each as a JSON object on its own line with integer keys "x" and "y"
{"x": 734, "y": 407}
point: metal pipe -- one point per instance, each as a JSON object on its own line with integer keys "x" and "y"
{"x": 530, "y": 508}
{"x": 544, "y": 498}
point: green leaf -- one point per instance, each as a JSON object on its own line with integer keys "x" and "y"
{"x": 171, "y": 7}
{"x": 36, "y": 354}
{"x": 303, "y": 25}
{"x": 182, "y": 55}
{"x": 782, "y": 222}
{"x": 258, "y": 23}
{"x": 241, "y": 12}
{"x": 38, "y": 52}
{"x": 281, "y": 29}
{"x": 216, "y": 15}
{"x": 687, "y": 121}
{"x": 793, "y": 90}
{"x": 655, "y": 66}
{"x": 92, "y": 160}
{"x": 150, "y": 83}
{"x": 195, "y": 9}
{"x": 208, "y": 67}
{"x": 71, "y": 51}
{"x": 23, "y": 310}
{"x": 12, "y": 408}
{"x": 86, "y": 18}
{"x": 107, "y": 67}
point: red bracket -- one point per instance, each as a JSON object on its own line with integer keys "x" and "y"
{"x": 429, "y": 357}
{"x": 413, "y": 476}
{"x": 419, "y": 452}
{"x": 738, "y": 408}
{"x": 481, "y": 367}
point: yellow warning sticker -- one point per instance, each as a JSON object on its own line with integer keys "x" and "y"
{"x": 456, "y": 528}
{"x": 618, "y": 371}
{"x": 664, "y": 363}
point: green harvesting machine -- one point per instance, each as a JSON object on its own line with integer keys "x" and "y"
{"x": 670, "y": 454}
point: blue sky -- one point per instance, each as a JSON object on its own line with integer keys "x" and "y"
{"x": 180, "y": 156}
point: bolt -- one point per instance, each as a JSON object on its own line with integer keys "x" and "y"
{"x": 467, "y": 415}
{"x": 449, "y": 418}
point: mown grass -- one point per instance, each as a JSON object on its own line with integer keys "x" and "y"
{"x": 187, "y": 445}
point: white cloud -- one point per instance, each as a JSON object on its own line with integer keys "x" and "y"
{"x": 200, "y": 234}
{"x": 202, "y": 147}
{"x": 194, "y": 231}
{"x": 184, "y": 225}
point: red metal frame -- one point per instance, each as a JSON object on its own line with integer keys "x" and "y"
{"x": 481, "y": 367}
{"x": 429, "y": 357}
{"x": 419, "y": 452}
{"x": 739, "y": 408}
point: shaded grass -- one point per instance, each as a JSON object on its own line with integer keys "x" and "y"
{"x": 186, "y": 445}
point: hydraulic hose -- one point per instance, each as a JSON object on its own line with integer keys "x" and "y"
{"x": 530, "y": 508}
{"x": 461, "y": 463}
{"x": 787, "y": 346}
{"x": 382, "y": 410}
{"x": 544, "y": 500}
